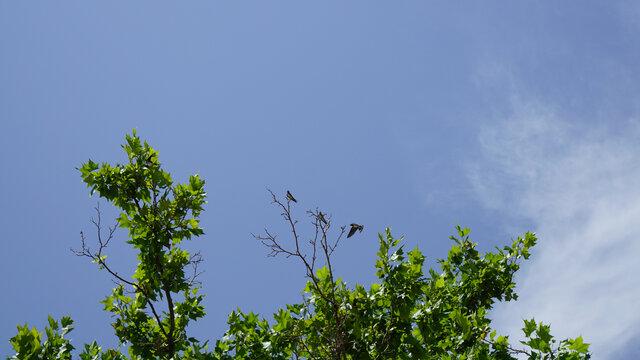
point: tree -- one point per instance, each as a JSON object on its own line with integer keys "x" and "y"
{"x": 407, "y": 315}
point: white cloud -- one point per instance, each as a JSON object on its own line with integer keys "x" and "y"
{"x": 580, "y": 185}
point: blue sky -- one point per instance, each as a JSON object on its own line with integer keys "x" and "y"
{"x": 411, "y": 115}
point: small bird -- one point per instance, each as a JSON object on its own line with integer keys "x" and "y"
{"x": 321, "y": 217}
{"x": 354, "y": 228}
{"x": 290, "y": 197}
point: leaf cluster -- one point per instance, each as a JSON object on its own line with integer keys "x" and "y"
{"x": 409, "y": 313}
{"x": 406, "y": 315}
{"x": 158, "y": 215}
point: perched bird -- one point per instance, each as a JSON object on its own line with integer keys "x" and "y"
{"x": 321, "y": 217}
{"x": 354, "y": 228}
{"x": 290, "y": 197}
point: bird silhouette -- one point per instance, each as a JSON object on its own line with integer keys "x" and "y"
{"x": 321, "y": 217}
{"x": 290, "y": 197}
{"x": 354, "y": 228}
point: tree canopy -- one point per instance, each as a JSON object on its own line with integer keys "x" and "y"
{"x": 410, "y": 313}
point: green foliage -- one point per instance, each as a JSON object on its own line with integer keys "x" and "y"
{"x": 409, "y": 313}
{"x": 406, "y": 315}
{"x": 158, "y": 215}
{"x": 28, "y": 346}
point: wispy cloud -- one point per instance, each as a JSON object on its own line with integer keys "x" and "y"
{"x": 580, "y": 185}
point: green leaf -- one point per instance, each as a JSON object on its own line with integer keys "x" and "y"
{"x": 323, "y": 273}
{"x": 578, "y": 345}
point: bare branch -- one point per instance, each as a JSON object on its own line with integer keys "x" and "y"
{"x": 102, "y": 244}
{"x": 195, "y": 259}
{"x": 319, "y": 242}
{"x": 100, "y": 259}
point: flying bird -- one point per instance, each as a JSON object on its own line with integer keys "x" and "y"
{"x": 321, "y": 217}
{"x": 355, "y": 227}
{"x": 290, "y": 197}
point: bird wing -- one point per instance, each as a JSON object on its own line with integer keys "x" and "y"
{"x": 352, "y": 231}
